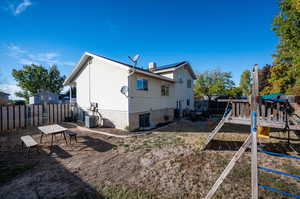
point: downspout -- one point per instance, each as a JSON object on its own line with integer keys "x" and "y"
{"x": 89, "y": 81}
{"x": 70, "y": 93}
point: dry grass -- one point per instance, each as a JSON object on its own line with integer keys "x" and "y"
{"x": 165, "y": 164}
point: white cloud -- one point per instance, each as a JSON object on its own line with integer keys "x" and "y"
{"x": 17, "y": 9}
{"x": 24, "y": 57}
{"x": 11, "y": 89}
{"x": 16, "y": 49}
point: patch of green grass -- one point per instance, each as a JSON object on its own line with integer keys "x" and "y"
{"x": 123, "y": 192}
{"x": 9, "y": 172}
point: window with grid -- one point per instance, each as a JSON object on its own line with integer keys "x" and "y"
{"x": 189, "y": 83}
{"x": 165, "y": 90}
{"x": 144, "y": 120}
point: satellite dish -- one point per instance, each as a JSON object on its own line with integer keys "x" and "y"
{"x": 135, "y": 59}
{"x": 124, "y": 90}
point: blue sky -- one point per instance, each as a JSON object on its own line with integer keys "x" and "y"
{"x": 228, "y": 35}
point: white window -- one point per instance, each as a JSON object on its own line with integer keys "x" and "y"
{"x": 142, "y": 84}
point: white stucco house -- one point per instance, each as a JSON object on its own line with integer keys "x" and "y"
{"x": 131, "y": 97}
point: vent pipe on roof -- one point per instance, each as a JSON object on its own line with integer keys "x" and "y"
{"x": 152, "y": 66}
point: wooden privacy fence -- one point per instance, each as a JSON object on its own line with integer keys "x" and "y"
{"x": 22, "y": 116}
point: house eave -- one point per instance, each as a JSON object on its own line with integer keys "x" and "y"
{"x": 76, "y": 70}
{"x": 70, "y": 79}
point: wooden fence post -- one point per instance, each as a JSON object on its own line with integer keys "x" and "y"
{"x": 10, "y": 114}
{"x": 4, "y": 118}
{"x": 40, "y": 115}
{"x": 1, "y": 119}
{"x": 22, "y": 116}
{"x": 254, "y": 178}
{"x": 16, "y": 117}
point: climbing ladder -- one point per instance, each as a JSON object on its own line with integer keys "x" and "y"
{"x": 228, "y": 168}
{"x": 216, "y": 130}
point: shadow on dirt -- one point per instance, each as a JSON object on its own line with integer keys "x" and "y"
{"x": 279, "y": 147}
{"x": 43, "y": 175}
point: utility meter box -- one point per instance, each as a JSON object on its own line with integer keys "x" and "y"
{"x": 90, "y": 121}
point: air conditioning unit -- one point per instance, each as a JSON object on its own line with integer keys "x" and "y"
{"x": 90, "y": 121}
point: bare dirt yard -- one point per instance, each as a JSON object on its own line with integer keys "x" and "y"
{"x": 164, "y": 164}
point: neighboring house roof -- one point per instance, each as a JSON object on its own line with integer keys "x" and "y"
{"x": 44, "y": 92}
{"x": 85, "y": 57}
{"x": 171, "y": 67}
{"x": 2, "y": 93}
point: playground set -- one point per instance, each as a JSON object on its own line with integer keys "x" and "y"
{"x": 262, "y": 113}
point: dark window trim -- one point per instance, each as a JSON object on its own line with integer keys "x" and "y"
{"x": 189, "y": 83}
{"x": 165, "y": 90}
{"x": 144, "y": 120}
